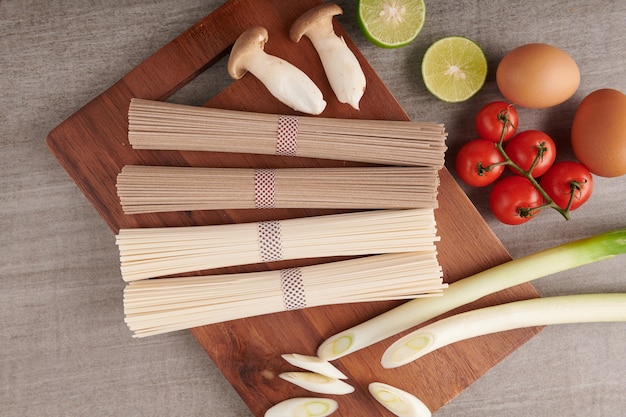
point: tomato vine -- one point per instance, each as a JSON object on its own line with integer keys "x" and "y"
{"x": 563, "y": 186}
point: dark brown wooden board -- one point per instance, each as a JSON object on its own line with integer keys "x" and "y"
{"x": 92, "y": 147}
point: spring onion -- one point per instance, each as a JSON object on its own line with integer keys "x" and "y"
{"x": 318, "y": 383}
{"x": 314, "y": 364}
{"x": 399, "y": 402}
{"x": 581, "y": 308}
{"x": 509, "y": 274}
{"x": 303, "y": 407}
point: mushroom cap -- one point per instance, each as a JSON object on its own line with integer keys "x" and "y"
{"x": 317, "y": 18}
{"x": 246, "y": 45}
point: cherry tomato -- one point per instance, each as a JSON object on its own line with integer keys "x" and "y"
{"x": 525, "y": 147}
{"x": 565, "y": 178}
{"x": 491, "y": 119}
{"x": 474, "y": 163}
{"x": 512, "y": 200}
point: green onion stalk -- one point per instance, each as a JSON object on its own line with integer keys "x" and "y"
{"x": 579, "y": 308}
{"x": 467, "y": 290}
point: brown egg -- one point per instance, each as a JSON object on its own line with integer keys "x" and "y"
{"x": 599, "y": 132}
{"x": 537, "y": 75}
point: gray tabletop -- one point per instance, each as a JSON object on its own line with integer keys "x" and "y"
{"x": 64, "y": 347}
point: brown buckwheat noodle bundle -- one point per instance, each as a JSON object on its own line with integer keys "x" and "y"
{"x": 165, "y": 126}
{"x": 144, "y": 189}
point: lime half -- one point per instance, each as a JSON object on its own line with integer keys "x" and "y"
{"x": 391, "y": 23}
{"x": 454, "y": 68}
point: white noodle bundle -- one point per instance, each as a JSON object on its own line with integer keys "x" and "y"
{"x": 166, "y": 126}
{"x": 163, "y": 305}
{"x": 153, "y": 252}
{"x": 144, "y": 189}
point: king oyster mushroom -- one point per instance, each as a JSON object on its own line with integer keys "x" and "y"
{"x": 343, "y": 70}
{"x": 285, "y": 81}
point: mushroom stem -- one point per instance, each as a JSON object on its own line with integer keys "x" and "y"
{"x": 342, "y": 68}
{"x": 284, "y": 81}
{"x": 288, "y": 84}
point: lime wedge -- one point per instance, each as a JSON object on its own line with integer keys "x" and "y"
{"x": 454, "y": 68}
{"x": 391, "y": 23}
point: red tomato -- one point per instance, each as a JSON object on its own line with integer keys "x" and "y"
{"x": 491, "y": 119}
{"x": 524, "y": 147}
{"x": 512, "y": 200}
{"x": 474, "y": 163}
{"x": 565, "y": 178}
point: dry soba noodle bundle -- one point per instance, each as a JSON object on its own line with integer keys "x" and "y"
{"x": 144, "y": 189}
{"x": 165, "y": 126}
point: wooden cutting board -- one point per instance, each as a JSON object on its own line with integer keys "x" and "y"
{"x": 92, "y": 147}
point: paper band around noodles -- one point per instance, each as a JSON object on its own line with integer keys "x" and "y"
{"x": 287, "y": 137}
{"x": 270, "y": 241}
{"x": 293, "y": 289}
{"x": 264, "y": 186}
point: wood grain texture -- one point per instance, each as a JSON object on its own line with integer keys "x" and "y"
{"x": 92, "y": 147}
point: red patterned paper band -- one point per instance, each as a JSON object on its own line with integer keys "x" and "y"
{"x": 287, "y": 138}
{"x": 264, "y": 188}
{"x": 293, "y": 289}
{"x": 270, "y": 241}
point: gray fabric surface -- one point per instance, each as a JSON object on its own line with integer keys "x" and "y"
{"x": 64, "y": 348}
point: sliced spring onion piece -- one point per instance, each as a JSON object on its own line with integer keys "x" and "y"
{"x": 399, "y": 402}
{"x": 314, "y": 364}
{"x": 318, "y": 383}
{"x": 509, "y": 274}
{"x": 581, "y": 308}
{"x": 303, "y": 407}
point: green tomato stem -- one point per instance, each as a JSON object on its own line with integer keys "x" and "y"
{"x": 541, "y": 150}
{"x": 527, "y": 173}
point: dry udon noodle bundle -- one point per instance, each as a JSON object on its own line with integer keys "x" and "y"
{"x": 157, "y": 125}
{"x": 403, "y": 265}
{"x": 153, "y": 252}
{"x": 157, "y": 306}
